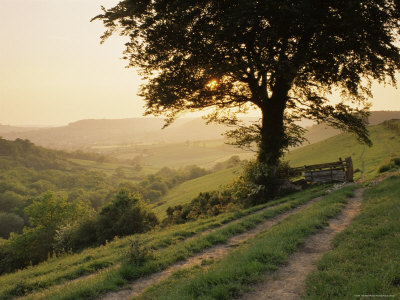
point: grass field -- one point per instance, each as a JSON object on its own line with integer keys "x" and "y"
{"x": 166, "y": 244}
{"x": 231, "y": 276}
{"x": 110, "y": 168}
{"x": 367, "y": 159}
{"x": 366, "y": 258}
{"x": 202, "y": 153}
{"x": 186, "y": 191}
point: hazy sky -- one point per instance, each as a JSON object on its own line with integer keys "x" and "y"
{"x": 54, "y": 71}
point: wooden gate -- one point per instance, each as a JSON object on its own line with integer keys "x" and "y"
{"x": 339, "y": 171}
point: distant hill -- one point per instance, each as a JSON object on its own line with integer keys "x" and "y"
{"x": 378, "y": 117}
{"x": 320, "y": 132}
{"x": 134, "y": 131}
{"x": 87, "y": 133}
{"x": 6, "y": 129}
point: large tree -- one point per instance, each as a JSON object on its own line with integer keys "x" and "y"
{"x": 284, "y": 57}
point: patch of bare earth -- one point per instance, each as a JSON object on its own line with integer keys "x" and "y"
{"x": 137, "y": 287}
{"x": 288, "y": 283}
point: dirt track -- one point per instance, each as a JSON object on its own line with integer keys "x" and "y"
{"x": 137, "y": 287}
{"x": 288, "y": 283}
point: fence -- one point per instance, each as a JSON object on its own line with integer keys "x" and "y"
{"x": 339, "y": 171}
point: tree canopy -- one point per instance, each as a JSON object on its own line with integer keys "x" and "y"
{"x": 284, "y": 57}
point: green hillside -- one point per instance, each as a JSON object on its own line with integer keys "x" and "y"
{"x": 114, "y": 265}
{"x": 169, "y": 245}
{"x": 186, "y": 191}
{"x": 367, "y": 160}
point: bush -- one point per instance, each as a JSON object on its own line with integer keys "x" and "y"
{"x": 385, "y": 168}
{"x": 84, "y": 234}
{"x": 125, "y": 215}
{"x": 396, "y": 161}
{"x": 255, "y": 186}
{"x": 20, "y": 250}
{"x": 137, "y": 253}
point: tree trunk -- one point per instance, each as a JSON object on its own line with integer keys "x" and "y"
{"x": 273, "y": 140}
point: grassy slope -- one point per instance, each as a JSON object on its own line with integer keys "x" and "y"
{"x": 202, "y": 153}
{"x": 386, "y": 144}
{"x": 167, "y": 244}
{"x": 186, "y": 191}
{"x": 366, "y": 258}
{"x": 92, "y": 259}
{"x": 231, "y": 276}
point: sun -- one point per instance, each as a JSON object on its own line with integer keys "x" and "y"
{"x": 212, "y": 84}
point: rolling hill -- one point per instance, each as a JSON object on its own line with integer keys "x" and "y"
{"x": 367, "y": 160}
{"x": 220, "y": 252}
{"x": 86, "y": 134}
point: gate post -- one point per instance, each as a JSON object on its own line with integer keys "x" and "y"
{"x": 349, "y": 169}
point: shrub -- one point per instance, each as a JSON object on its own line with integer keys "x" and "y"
{"x": 255, "y": 186}
{"x": 125, "y": 215}
{"x": 137, "y": 253}
{"x": 385, "y": 168}
{"x": 84, "y": 234}
{"x": 396, "y": 161}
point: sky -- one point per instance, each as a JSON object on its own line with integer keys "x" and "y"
{"x": 54, "y": 71}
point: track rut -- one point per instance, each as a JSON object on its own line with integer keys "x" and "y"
{"x": 288, "y": 282}
{"x": 137, "y": 287}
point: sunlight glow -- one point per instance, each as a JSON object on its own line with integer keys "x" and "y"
{"x": 212, "y": 84}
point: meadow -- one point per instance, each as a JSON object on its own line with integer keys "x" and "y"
{"x": 167, "y": 246}
{"x": 231, "y": 276}
{"x": 96, "y": 271}
{"x": 366, "y": 160}
{"x": 188, "y": 190}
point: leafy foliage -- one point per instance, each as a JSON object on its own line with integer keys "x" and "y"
{"x": 124, "y": 215}
{"x": 241, "y": 193}
{"x": 35, "y": 243}
{"x": 50, "y": 211}
{"x": 137, "y": 253}
{"x": 283, "y": 57}
{"x": 10, "y": 222}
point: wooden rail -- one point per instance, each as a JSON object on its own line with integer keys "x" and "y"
{"x": 338, "y": 171}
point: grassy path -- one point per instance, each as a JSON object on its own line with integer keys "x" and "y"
{"x": 97, "y": 261}
{"x": 202, "y": 233}
{"x": 365, "y": 263}
{"x": 215, "y": 253}
{"x": 288, "y": 283}
{"x": 115, "y": 279}
{"x": 249, "y": 263}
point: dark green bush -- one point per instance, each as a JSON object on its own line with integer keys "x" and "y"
{"x": 385, "y": 168}
{"x": 125, "y": 215}
{"x": 248, "y": 190}
{"x": 396, "y": 161}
